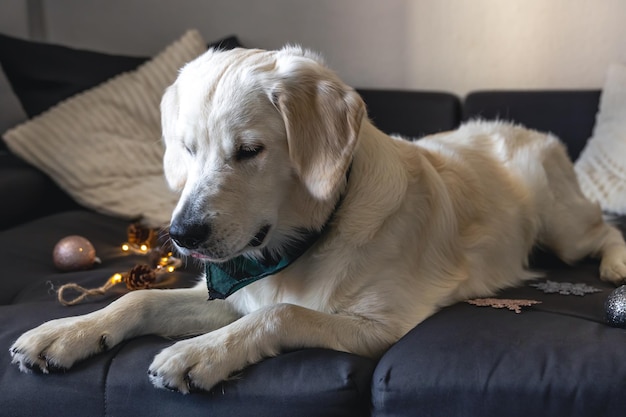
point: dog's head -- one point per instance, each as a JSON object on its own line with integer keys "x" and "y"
{"x": 258, "y": 144}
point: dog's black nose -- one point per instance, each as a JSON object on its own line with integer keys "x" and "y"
{"x": 189, "y": 235}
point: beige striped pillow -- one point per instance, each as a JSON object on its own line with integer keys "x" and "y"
{"x": 103, "y": 146}
{"x": 601, "y": 167}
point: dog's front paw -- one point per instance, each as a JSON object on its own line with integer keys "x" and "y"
{"x": 57, "y": 345}
{"x": 194, "y": 364}
{"x": 613, "y": 266}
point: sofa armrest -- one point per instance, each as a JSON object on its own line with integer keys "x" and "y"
{"x": 27, "y": 193}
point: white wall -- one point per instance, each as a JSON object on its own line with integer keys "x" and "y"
{"x": 13, "y": 19}
{"x": 478, "y": 44}
{"x": 14, "y": 22}
{"x": 355, "y": 36}
{"x": 451, "y": 45}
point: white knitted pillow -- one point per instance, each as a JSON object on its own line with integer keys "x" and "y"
{"x": 103, "y": 146}
{"x": 601, "y": 168}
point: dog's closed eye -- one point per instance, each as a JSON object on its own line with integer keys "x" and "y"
{"x": 190, "y": 150}
{"x": 248, "y": 151}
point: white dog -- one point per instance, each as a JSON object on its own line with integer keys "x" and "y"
{"x": 359, "y": 236}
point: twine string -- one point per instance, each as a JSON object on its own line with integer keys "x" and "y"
{"x": 142, "y": 276}
{"x": 161, "y": 279}
{"x": 83, "y": 292}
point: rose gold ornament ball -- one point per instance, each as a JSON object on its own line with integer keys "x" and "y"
{"x": 73, "y": 253}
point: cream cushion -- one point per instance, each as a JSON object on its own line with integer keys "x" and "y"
{"x": 601, "y": 167}
{"x": 103, "y": 146}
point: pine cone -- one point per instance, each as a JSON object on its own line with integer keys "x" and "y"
{"x": 140, "y": 235}
{"x": 140, "y": 277}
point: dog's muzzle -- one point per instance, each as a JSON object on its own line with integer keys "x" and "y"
{"x": 193, "y": 236}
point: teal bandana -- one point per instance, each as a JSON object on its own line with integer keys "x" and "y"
{"x": 223, "y": 279}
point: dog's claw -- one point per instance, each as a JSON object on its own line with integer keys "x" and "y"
{"x": 169, "y": 388}
{"x": 186, "y": 387}
{"x": 191, "y": 387}
{"x": 50, "y": 367}
{"x": 30, "y": 367}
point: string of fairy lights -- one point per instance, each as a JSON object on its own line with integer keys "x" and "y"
{"x": 76, "y": 253}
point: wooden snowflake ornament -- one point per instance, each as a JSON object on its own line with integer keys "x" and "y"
{"x": 513, "y": 305}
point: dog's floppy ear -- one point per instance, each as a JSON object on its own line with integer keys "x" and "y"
{"x": 174, "y": 166}
{"x": 322, "y": 118}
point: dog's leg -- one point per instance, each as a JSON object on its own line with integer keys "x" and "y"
{"x": 580, "y": 231}
{"x": 573, "y": 225}
{"x": 203, "y": 361}
{"x": 613, "y": 256}
{"x": 59, "y": 343}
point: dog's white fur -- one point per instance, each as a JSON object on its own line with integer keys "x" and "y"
{"x": 420, "y": 225}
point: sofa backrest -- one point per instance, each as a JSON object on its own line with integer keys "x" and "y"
{"x": 412, "y": 113}
{"x": 570, "y": 115}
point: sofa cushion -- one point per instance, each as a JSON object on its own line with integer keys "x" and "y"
{"x": 556, "y": 358}
{"x": 308, "y": 382}
{"x": 312, "y": 382}
{"x": 12, "y": 111}
{"x": 570, "y": 115}
{"x": 43, "y": 74}
{"x": 412, "y": 114}
{"x": 103, "y": 145}
{"x": 601, "y": 168}
{"x": 33, "y": 193}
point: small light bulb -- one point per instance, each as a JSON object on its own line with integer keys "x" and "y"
{"x": 125, "y": 247}
{"x": 143, "y": 247}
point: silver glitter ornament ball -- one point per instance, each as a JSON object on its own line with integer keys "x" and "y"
{"x": 74, "y": 253}
{"x": 615, "y": 307}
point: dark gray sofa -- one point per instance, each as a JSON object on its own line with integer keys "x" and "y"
{"x": 557, "y": 358}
